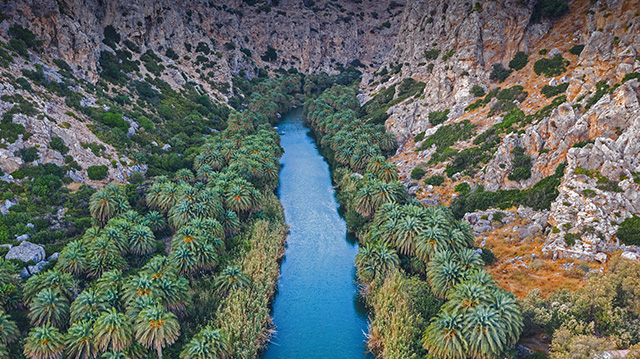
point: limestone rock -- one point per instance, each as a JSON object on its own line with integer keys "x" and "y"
{"x": 27, "y": 251}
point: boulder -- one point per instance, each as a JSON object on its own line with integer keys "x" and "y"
{"x": 27, "y": 251}
{"x": 23, "y": 237}
{"x": 54, "y": 256}
{"x": 630, "y": 255}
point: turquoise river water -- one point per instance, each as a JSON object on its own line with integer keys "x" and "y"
{"x": 316, "y": 310}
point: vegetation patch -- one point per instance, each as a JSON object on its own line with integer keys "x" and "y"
{"x": 499, "y": 73}
{"x": 438, "y": 117}
{"x": 552, "y": 91}
{"x": 551, "y": 67}
{"x": 521, "y": 165}
{"x": 519, "y": 61}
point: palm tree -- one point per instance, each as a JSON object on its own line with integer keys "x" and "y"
{"x": 230, "y": 222}
{"x": 139, "y": 286}
{"x": 49, "y": 307}
{"x": 407, "y": 230}
{"x": 8, "y": 329}
{"x": 180, "y": 214}
{"x": 138, "y": 304}
{"x": 185, "y": 259}
{"x": 238, "y": 199}
{"x": 79, "y": 341}
{"x": 173, "y": 293}
{"x": 154, "y": 220}
{"x": 444, "y": 273}
{"x": 44, "y": 342}
{"x": 208, "y": 344}
{"x": 141, "y": 240}
{"x": 72, "y": 259}
{"x": 507, "y": 307}
{"x": 444, "y": 337}
{"x": 107, "y": 203}
{"x": 106, "y": 257}
{"x": 51, "y": 279}
{"x": 431, "y": 241}
{"x": 231, "y": 277}
{"x": 466, "y": 296}
{"x": 112, "y": 330}
{"x": 468, "y": 259}
{"x": 485, "y": 332}
{"x": 88, "y": 306}
{"x": 116, "y": 236}
{"x": 184, "y": 174}
{"x": 156, "y": 328}
{"x": 375, "y": 260}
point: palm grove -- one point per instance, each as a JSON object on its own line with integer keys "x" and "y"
{"x": 115, "y": 292}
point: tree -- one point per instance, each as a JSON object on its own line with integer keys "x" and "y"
{"x": 444, "y": 339}
{"x": 52, "y": 279}
{"x": 208, "y": 344}
{"x": 44, "y": 342}
{"x": 72, "y": 259}
{"x": 375, "y": 260}
{"x": 79, "y": 341}
{"x": 444, "y": 273}
{"x": 49, "y": 307}
{"x": 141, "y": 240}
{"x": 156, "y": 328}
{"x": 231, "y": 277}
{"x": 112, "y": 330}
{"x": 88, "y": 306}
{"x": 8, "y": 329}
{"x": 108, "y": 202}
{"x": 485, "y": 332}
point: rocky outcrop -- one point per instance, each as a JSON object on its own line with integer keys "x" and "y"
{"x": 26, "y": 252}
{"x": 311, "y": 36}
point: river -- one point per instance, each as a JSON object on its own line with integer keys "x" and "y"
{"x": 316, "y": 311}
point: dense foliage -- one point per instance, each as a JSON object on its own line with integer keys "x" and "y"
{"x": 421, "y": 276}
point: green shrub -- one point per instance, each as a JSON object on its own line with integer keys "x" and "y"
{"x": 449, "y": 134}
{"x": 487, "y": 256}
{"x": 29, "y": 154}
{"x": 552, "y": 91}
{"x": 57, "y": 144}
{"x": 519, "y": 61}
{"x": 417, "y": 173}
{"x": 448, "y": 55}
{"x": 571, "y": 238}
{"x": 631, "y": 75}
{"x": 462, "y": 187}
{"x": 432, "y": 54}
{"x": 19, "y": 46}
{"x": 477, "y": 91}
{"x": 576, "y": 50}
{"x": 498, "y": 216}
{"x": 499, "y": 73}
{"x": 548, "y": 9}
{"x": 438, "y": 117}
{"x": 270, "y": 55}
{"x": 25, "y": 35}
{"x": 521, "y": 165}
{"x": 97, "y": 173}
{"x": 419, "y": 137}
{"x": 114, "y": 120}
{"x": 171, "y": 54}
{"x": 111, "y": 36}
{"x": 602, "y": 88}
{"x": 435, "y": 180}
{"x": 551, "y": 67}
{"x": 629, "y": 231}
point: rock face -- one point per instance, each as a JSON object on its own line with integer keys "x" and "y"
{"x": 27, "y": 251}
{"x": 312, "y": 36}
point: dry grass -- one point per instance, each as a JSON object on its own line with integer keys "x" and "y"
{"x": 534, "y": 270}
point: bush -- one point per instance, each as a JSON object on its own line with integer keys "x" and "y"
{"x": 571, "y": 238}
{"x": 519, "y": 61}
{"x": 436, "y": 180}
{"x": 111, "y": 36}
{"x": 419, "y": 137}
{"x": 136, "y": 178}
{"x": 438, "y": 117}
{"x": 57, "y": 144}
{"x": 487, "y": 256}
{"x": 499, "y": 73}
{"x": 498, "y": 216}
{"x": 549, "y": 9}
{"x": 25, "y": 35}
{"x": 417, "y": 173}
{"x": 477, "y": 91}
{"x": 576, "y": 50}
{"x": 171, "y": 54}
{"x": 114, "y": 120}
{"x": 29, "y": 154}
{"x": 552, "y": 91}
{"x": 551, "y": 67}
{"x": 431, "y": 54}
{"x": 97, "y": 173}
{"x": 270, "y": 55}
{"x": 521, "y": 165}
{"x": 629, "y": 231}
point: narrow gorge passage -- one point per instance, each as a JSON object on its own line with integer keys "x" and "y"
{"x": 316, "y": 311}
